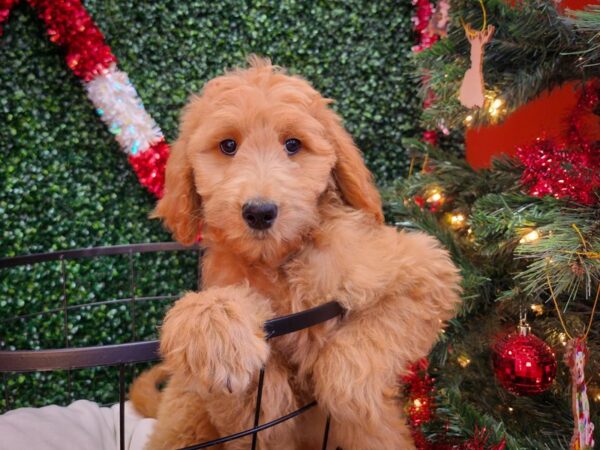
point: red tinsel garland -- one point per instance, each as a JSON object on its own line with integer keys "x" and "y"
{"x": 419, "y": 401}
{"x": 568, "y": 167}
{"x": 420, "y": 410}
{"x": 89, "y": 57}
{"x": 70, "y": 26}
{"x": 5, "y": 7}
{"x": 150, "y": 167}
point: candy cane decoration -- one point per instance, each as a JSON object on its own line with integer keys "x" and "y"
{"x": 116, "y": 100}
{"x": 583, "y": 428}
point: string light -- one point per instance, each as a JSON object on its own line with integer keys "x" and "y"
{"x": 463, "y": 361}
{"x": 537, "y": 308}
{"x": 470, "y": 235}
{"x": 562, "y": 337}
{"x": 594, "y": 391}
{"x": 418, "y": 403}
{"x": 468, "y": 119}
{"x": 494, "y": 109}
{"x": 434, "y": 196}
{"x": 441, "y": 322}
{"x": 530, "y": 237}
{"x": 457, "y": 219}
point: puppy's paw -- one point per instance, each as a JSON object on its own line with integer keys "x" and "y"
{"x": 216, "y": 339}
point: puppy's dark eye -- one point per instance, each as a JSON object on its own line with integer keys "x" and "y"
{"x": 228, "y": 147}
{"x": 292, "y": 146}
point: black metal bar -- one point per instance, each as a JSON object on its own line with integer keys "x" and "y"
{"x": 326, "y": 434}
{"x": 252, "y": 430}
{"x": 300, "y": 320}
{"x": 78, "y": 358}
{"x": 5, "y": 380}
{"x": 83, "y": 305}
{"x": 132, "y": 287}
{"x": 133, "y": 352}
{"x": 63, "y": 272}
{"x": 64, "y": 301}
{"x": 259, "y": 392}
{"x": 122, "y": 407}
{"x": 92, "y": 252}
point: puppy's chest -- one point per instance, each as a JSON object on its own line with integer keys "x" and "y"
{"x": 298, "y": 285}
{"x": 295, "y": 288}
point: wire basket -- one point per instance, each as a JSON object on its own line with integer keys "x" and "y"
{"x": 127, "y": 357}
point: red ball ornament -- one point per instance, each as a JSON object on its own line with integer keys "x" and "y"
{"x": 523, "y": 363}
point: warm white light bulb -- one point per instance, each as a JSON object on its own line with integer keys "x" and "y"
{"x": 463, "y": 361}
{"x": 537, "y": 308}
{"x": 530, "y": 237}
{"x": 457, "y": 219}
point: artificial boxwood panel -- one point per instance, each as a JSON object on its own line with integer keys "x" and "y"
{"x": 64, "y": 183}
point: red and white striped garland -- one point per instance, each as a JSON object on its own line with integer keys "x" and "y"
{"x": 116, "y": 100}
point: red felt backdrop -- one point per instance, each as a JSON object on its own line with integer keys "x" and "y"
{"x": 542, "y": 117}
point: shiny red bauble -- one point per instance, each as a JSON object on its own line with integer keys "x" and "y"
{"x": 523, "y": 363}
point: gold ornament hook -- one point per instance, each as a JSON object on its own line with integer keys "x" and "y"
{"x": 470, "y": 31}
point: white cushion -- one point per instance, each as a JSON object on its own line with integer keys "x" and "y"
{"x": 83, "y": 425}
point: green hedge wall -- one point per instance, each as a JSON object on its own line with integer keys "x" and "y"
{"x": 64, "y": 183}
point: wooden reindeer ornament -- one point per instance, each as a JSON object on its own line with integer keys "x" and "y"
{"x": 471, "y": 92}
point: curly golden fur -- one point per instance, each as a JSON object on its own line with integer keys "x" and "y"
{"x": 327, "y": 242}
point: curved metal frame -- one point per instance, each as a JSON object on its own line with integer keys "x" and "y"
{"x": 137, "y": 352}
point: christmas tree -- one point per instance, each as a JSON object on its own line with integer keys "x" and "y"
{"x": 525, "y": 232}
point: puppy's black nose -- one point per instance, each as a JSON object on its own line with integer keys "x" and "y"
{"x": 259, "y": 215}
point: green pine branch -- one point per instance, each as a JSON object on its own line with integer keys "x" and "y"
{"x": 587, "y": 21}
{"x": 534, "y": 49}
{"x": 503, "y": 276}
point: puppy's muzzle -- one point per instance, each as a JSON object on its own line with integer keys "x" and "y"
{"x": 259, "y": 214}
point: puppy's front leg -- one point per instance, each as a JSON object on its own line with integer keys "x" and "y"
{"x": 356, "y": 383}
{"x": 214, "y": 343}
{"x": 215, "y": 338}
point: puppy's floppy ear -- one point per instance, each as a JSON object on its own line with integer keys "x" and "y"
{"x": 180, "y": 206}
{"x": 351, "y": 175}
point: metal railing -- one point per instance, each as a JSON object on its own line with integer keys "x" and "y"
{"x": 121, "y": 355}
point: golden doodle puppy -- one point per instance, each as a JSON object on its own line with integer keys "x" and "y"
{"x": 290, "y": 219}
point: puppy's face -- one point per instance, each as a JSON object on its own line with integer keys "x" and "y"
{"x": 256, "y": 150}
{"x": 260, "y": 159}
